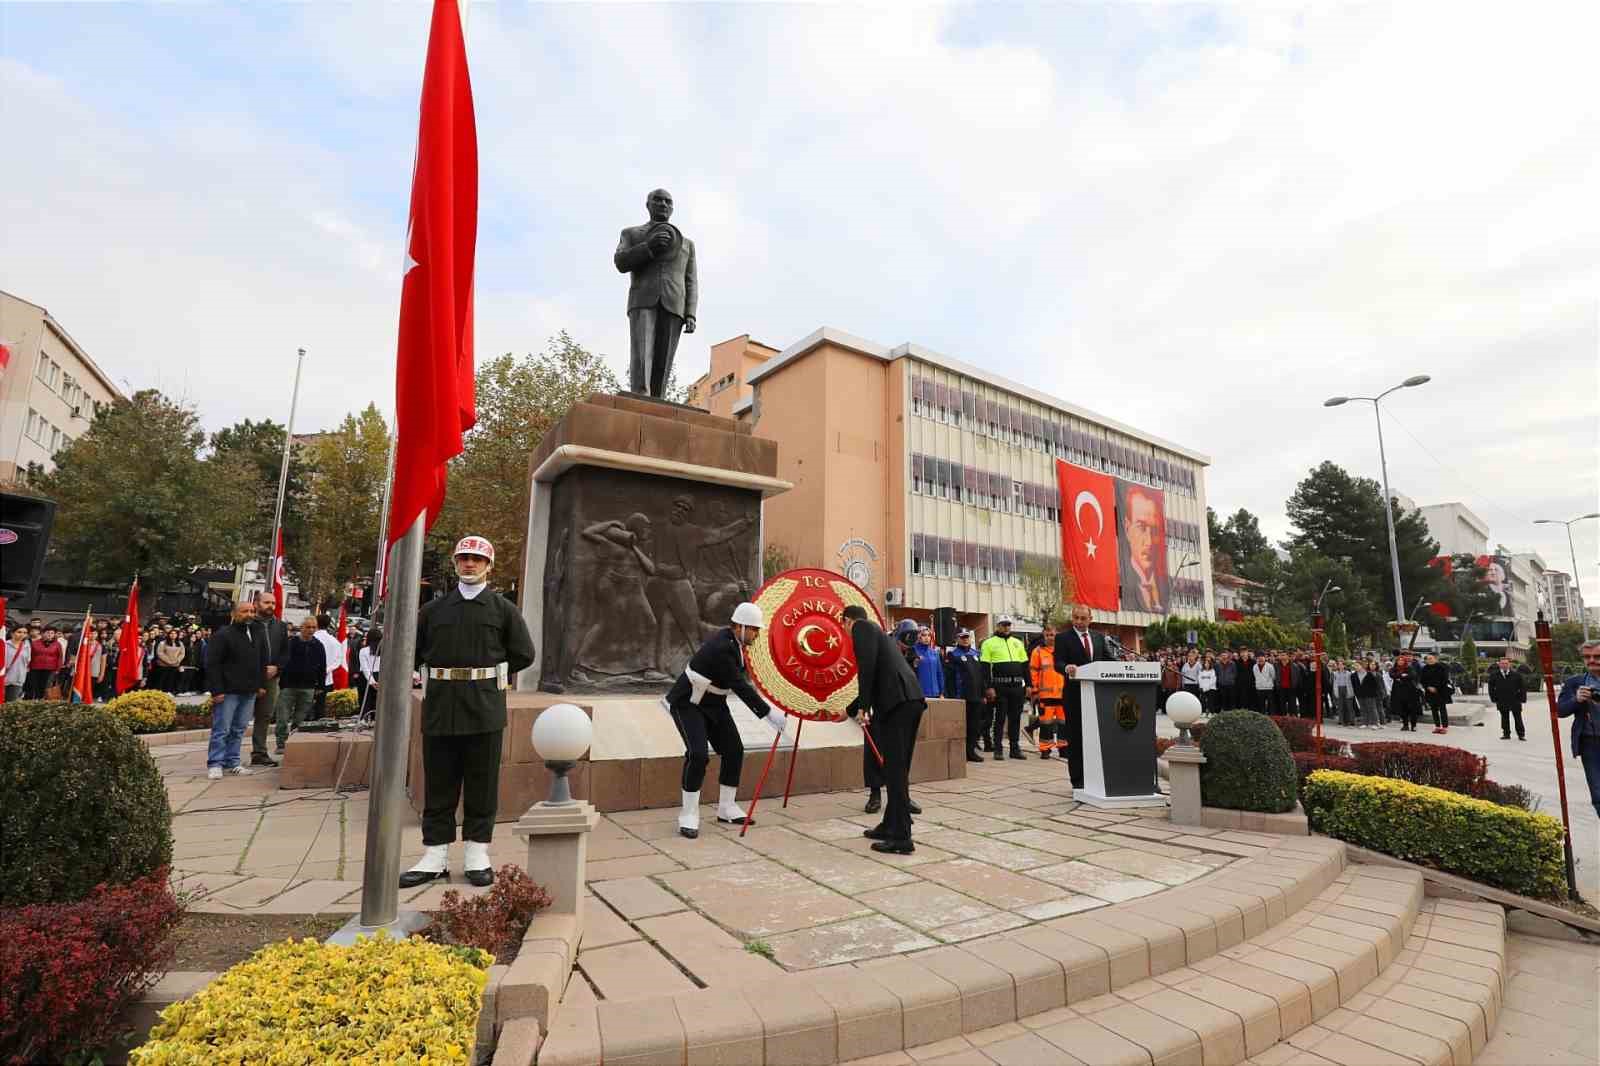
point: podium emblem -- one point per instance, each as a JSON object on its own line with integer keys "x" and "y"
{"x": 804, "y": 661}
{"x": 1126, "y": 711}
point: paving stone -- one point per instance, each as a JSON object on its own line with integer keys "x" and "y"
{"x": 1321, "y": 981}
{"x": 1002, "y": 888}
{"x": 1065, "y": 845}
{"x": 602, "y": 927}
{"x": 643, "y": 1032}
{"x": 1029, "y": 1049}
{"x": 988, "y": 995}
{"x": 987, "y": 849}
{"x": 930, "y": 1006}
{"x": 1224, "y": 1014}
{"x": 637, "y": 897}
{"x": 925, "y": 906}
{"x": 1066, "y": 903}
{"x": 1094, "y": 1043}
{"x": 719, "y": 1029}
{"x": 798, "y": 1023}
{"x": 706, "y": 850}
{"x": 633, "y": 866}
{"x": 633, "y": 971}
{"x": 1086, "y": 966}
{"x": 979, "y": 927}
{"x": 843, "y": 871}
{"x": 1165, "y": 1040}
{"x": 1150, "y": 867}
{"x": 761, "y": 898}
{"x": 1292, "y": 998}
{"x": 1127, "y": 954}
{"x": 1037, "y": 979}
{"x": 715, "y": 958}
{"x": 617, "y": 844}
{"x": 308, "y": 897}
{"x": 573, "y": 1039}
{"x": 1165, "y": 941}
{"x": 1089, "y": 880}
{"x": 868, "y": 1014}
{"x": 851, "y": 940}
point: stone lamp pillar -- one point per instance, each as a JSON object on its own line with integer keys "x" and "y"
{"x": 557, "y": 829}
{"x": 1184, "y": 760}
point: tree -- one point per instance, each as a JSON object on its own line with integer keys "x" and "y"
{"x": 1240, "y": 539}
{"x": 1342, "y": 517}
{"x": 261, "y": 443}
{"x": 133, "y": 495}
{"x": 519, "y": 401}
{"x": 1565, "y": 639}
{"x": 775, "y": 559}
{"x": 1047, "y": 589}
{"x": 345, "y": 491}
{"x": 1301, "y": 580}
{"x": 1336, "y": 638}
{"x": 1464, "y": 594}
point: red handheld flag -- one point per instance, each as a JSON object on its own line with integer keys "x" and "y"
{"x": 341, "y": 673}
{"x": 130, "y": 654}
{"x": 434, "y": 401}
{"x": 82, "y": 669}
{"x": 1089, "y": 533}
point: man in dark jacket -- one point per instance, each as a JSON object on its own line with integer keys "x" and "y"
{"x": 471, "y": 640}
{"x": 964, "y": 681}
{"x": 236, "y": 670}
{"x": 302, "y": 664}
{"x": 1077, "y": 646}
{"x": 1436, "y": 688}
{"x": 698, "y": 703}
{"x": 888, "y": 691}
{"x": 1508, "y": 694}
{"x": 276, "y": 634}
{"x": 1580, "y": 701}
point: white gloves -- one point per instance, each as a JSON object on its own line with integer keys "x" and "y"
{"x": 778, "y": 720}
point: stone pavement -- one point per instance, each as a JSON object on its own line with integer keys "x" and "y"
{"x": 1530, "y": 763}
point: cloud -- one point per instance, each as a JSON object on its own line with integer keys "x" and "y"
{"x": 1202, "y": 221}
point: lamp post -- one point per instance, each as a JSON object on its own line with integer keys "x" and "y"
{"x": 1577, "y": 581}
{"x": 1383, "y": 462}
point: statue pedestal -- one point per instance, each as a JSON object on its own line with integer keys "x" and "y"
{"x": 644, "y": 532}
{"x": 1119, "y": 735}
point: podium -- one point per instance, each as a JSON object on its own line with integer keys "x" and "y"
{"x": 1119, "y": 734}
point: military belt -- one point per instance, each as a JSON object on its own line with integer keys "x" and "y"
{"x": 498, "y": 672}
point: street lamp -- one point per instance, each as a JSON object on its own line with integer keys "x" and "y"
{"x": 1327, "y": 588}
{"x": 1577, "y": 580}
{"x": 1388, "y": 505}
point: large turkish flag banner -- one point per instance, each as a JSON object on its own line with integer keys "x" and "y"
{"x": 1089, "y": 533}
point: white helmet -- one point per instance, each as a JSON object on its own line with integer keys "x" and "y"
{"x": 1003, "y": 620}
{"x": 748, "y": 614}
{"x": 473, "y": 545}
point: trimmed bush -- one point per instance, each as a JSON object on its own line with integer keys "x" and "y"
{"x": 145, "y": 710}
{"x": 1248, "y": 766}
{"x": 343, "y": 702}
{"x": 1486, "y": 842}
{"x": 1434, "y": 765}
{"x": 81, "y": 804}
{"x": 493, "y": 921}
{"x": 379, "y": 1001}
{"x": 1305, "y": 762}
{"x": 69, "y": 969}
{"x": 1509, "y": 795}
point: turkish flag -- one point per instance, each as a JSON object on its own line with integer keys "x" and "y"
{"x": 277, "y": 577}
{"x": 82, "y": 670}
{"x": 130, "y": 654}
{"x": 1089, "y": 533}
{"x": 434, "y": 402}
{"x": 341, "y": 673}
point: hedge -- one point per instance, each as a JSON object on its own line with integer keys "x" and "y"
{"x": 1452, "y": 769}
{"x": 145, "y": 710}
{"x": 1248, "y": 766}
{"x": 379, "y": 1001}
{"x": 343, "y": 702}
{"x": 1501, "y": 846}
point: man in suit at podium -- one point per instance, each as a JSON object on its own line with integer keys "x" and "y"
{"x": 662, "y": 294}
{"x": 1076, "y": 646}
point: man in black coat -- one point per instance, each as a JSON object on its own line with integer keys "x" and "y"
{"x": 1076, "y": 646}
{"x": 236, "y": 670}
{"x": 888, "y": 691}
{"x": 471, "y": 640}
{"x": 1405, "y": 698}
{"x": 276, "y": 634}
{"x": 698, "y": 702}
{"x": 1508, "y": 694}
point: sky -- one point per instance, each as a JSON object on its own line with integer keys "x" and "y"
{"x": 1202, "y": 220}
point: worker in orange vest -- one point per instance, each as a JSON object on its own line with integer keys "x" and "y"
{"x": 1047, "y": 695}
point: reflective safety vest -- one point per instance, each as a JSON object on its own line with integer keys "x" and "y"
{"x": 1005, "y": 660}
{"x": 1042, "y": 665}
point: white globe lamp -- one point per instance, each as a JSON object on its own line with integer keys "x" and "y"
{"x": 561, "y": 734}
{"x": 1184, "y": 710}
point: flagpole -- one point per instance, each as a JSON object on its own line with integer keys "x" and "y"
{"x": 380, "y": 568}
{"x": 283, "y": 468}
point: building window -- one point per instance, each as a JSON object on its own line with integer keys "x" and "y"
{"x": 916, "y": 553}
{"x": 55, "y": 374}
{"x": 55, "y": 440}
{"x": 33, "y": 424}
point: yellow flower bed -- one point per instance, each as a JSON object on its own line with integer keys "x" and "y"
{"x": 342, "y": 702}
{"x": 145, "y": 711}
{"x": 381, "y": 1001}
{"x": 1495, "y": 845}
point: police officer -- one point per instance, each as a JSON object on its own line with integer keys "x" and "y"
{"x": 471, "y": 641}
{"x": 965, "y": 682}
{"x": 1005, "y": 665}
{"x": 698, "y": 701}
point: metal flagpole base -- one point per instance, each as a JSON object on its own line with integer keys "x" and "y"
{"x": 405, "y": 923}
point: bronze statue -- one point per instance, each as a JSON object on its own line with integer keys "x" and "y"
{"x": 661, "y": 295}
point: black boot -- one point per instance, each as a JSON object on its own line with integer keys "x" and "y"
{"x": 913, "y": 808}
{"x": 973, "y": 755}
{"x": 874, "y": 803}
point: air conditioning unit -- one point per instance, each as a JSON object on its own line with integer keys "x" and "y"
{"x": 894, "y": 597}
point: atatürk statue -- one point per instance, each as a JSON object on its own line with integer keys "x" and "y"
{"x": 661, "y": 295}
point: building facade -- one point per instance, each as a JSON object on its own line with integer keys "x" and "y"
{"x": 725, "y": 387}
{"x": 1456, "y": 528}
{"x": 49, "y": 389}
{"x": 933, "y": 482}
{"x": 1565, "y": 604}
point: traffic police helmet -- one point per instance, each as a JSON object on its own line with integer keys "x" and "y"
{"x": 748, "y": 614}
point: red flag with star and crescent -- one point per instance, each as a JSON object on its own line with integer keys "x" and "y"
{"x": 434, "y": 402}
{"x": 1089, "y": 533}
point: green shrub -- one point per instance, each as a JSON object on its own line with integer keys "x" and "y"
{"x": 81, "y": 803}
{"x": 342, "y": 702}
{"x": 1493, "y": 844}
{"x": 1248, "y": 766}
{"x": 145, "y": 710}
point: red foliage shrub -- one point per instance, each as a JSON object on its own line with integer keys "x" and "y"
{"x": 1451, "y": 769}
{"x": 67, "y": 970}
{"x": 192, "y": 720}
{"x": 1307, "y": 761}
{"x": 494, "y": 921}
{"x": 1163, "y": 743}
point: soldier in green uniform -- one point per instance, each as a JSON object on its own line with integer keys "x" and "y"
{"x": 470, "y": 641}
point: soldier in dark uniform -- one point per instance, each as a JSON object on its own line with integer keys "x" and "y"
{"x": 471, "y": 641}
{"x": 698, "y": 701}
